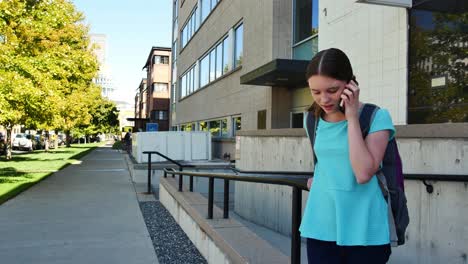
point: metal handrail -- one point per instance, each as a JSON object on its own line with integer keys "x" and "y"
{"x": 300, "y": 173}
{"x": 181, "y": 168}
{"x": 294, "y": 180}
{"x": 435, "y": 177}
{"x": 297, "y": 183}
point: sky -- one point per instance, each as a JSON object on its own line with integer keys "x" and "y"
{"x": 132, "y": 27}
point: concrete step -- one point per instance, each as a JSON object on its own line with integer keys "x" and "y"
{"x": 219, "y": 240}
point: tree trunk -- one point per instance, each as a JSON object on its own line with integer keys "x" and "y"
{"x": 9, "y": 143}
{"x": 46, "y": 142}
{"x": 67, "y": 138}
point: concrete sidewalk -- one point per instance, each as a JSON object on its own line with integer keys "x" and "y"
{"x": 85, "y": 213}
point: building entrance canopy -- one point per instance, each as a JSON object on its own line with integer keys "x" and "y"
{"x": 278, "y": 72}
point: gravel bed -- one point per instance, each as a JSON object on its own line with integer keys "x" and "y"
{"x": 170, "y": 242}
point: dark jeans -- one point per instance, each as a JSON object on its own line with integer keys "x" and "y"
{"x": 324, "y": 252}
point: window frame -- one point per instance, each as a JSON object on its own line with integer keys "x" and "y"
{"x": 235, "y": 48}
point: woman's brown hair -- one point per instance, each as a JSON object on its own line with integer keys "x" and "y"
{"x": 332, "y": 63}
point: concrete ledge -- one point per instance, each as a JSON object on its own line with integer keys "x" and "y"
{"x": 281, "y": 132}
{"x": 231, "y": 139}
{"x": 218, "y": 240}
{"x": 447, "y": 130}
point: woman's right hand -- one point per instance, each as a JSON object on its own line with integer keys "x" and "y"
{"x": 309, "y": 182}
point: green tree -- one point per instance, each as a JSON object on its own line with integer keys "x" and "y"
{"x": 46, "y": 65}
{"x": 104, "y": 118}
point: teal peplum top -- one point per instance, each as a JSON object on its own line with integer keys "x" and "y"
{"x": 338, "y": 208}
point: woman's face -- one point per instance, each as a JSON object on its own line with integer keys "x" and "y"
{"x": 326, "y": 92}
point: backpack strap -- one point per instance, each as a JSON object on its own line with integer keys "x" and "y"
{"x": 365, "y": 120}
{"x": 366, "y": 116}
{"x": 310, "y": 125}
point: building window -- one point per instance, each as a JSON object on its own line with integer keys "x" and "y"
{"x": 207, "y": 6}
{"x": 224, "y": 128}
{"x": 236, "y": 124}
{"x": 238, "y": 48}
{"x": 305, "y": 29}
{"x": 261, "y": 119}
{"x": 215, "y": 128}
{"x": 297, "y": 120}
{"x": 305, "y": 19}
{"x": 225, "y": 55}
{"x": 187, "y": 127}
{"x": 190, "y": 27}
{"x": 183, "y": 85}
{"x": 159, "y": 115}
{"x": 189, "y": 82}
{"x": 204, "y": 71}
{"x": 203, "y": 126}
{"x": 219, "y": 60}
{"x": 158, "y": 59}
{"x": 438, "y": 66}
{"x": 212, "y": 65}
{"x": 215, "y": 63}
{"x": 160, "y": 87}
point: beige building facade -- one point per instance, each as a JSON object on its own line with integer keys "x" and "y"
{"x": 265, "y": 89}
{"x": 141, "y": 96}
{"x": 223, "y": 42}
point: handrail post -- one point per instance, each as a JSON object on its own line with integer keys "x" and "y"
{"x": 226, "y": 198}
{"x": 191, "y": 184}
{"x": 210, "y": 197}
{"x": 149, "y": 172}
{"x": 296, "y": 219}
{"x": 181, "y": 179}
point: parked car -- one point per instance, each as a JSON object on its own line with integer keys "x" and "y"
{"x": 61, "y": 139}
{"x": 38, "y": 142}
{"x": 23, "y": 141}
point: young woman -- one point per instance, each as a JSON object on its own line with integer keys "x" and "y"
{"x": 345, "y": 219}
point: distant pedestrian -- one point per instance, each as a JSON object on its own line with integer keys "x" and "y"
{"x": 345, "y": 220}
{"x": 128, "y": 142}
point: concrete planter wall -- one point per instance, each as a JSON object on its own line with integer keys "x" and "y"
{"x": 437, "y": 232}
{"x": 185, "y": 146}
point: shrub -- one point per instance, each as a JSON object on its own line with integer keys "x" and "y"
{"x": 117, "y": 145}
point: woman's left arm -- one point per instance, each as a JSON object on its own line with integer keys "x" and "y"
{"x": 365, "y": 155}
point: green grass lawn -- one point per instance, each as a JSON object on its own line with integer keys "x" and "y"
{"x": 24, "y": 170}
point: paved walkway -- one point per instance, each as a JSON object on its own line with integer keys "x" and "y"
{"x": 86, "y": 213}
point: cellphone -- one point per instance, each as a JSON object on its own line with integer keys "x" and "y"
{"x": 341, "y": 106}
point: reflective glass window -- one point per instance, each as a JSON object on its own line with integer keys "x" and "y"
{"x": 438, "y": 65}
{"x": 238, "y": 49}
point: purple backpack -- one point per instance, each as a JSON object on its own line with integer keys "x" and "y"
{"x": 390, "y": 175}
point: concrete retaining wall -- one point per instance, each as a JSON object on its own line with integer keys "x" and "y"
{"x": 437, "y": 232}
{"x": 185, "y": 146}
